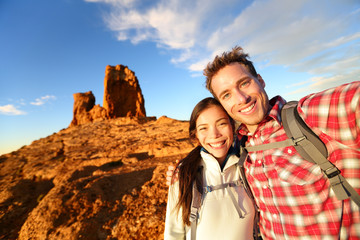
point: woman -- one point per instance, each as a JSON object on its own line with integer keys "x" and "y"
{"x": 211, "y": 173}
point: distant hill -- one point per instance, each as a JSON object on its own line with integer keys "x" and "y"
{"x": 100, "y": 180}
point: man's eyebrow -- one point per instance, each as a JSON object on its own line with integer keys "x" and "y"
{"x": 237, "y": 83}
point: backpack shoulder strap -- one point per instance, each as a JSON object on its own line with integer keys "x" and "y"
{"x": 296, "y": 128}
{"x": 314, "y": 150}
{"x": 240, "y": 165}
{"x": 195, "y": 206}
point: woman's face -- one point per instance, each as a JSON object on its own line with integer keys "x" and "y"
{"x": 214, "y": 132}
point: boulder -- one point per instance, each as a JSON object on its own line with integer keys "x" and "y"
{"x": 85, "y": 111}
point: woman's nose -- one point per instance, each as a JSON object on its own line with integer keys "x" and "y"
{"x": 214, "y": 132}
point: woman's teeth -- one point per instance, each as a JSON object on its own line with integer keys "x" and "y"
{"x": 215, "y": 145}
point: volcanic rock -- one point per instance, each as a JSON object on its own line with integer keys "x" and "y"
{"x": 95, "y": 181}
{"x": 85, "y": 110}
{"x": 122, "y": 98}
{"x": 122, "y": 93}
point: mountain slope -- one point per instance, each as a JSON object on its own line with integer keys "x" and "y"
{"x": 102, "y": 180}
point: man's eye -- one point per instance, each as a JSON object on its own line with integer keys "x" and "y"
{"x": 244, "y": 84}
{"x": 226, "y": 96}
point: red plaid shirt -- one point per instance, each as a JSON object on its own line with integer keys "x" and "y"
{"x": 294, "y": 198}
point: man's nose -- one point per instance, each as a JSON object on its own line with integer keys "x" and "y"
{"x": 240, "y": 96}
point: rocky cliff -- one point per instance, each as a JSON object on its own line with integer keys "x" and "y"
{"x": 122, "y": 98}
{"x": 100, "y": 180}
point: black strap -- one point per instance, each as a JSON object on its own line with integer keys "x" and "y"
{"x": 314, "y": 150}
{"x": 195, "y": 205}
{"x": 296, "y": 128}
{"x": 243, "y": 156}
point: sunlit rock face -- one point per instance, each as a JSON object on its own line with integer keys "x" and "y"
{"x": 122, "y": 93}
{"x": 98, "y": 180}
{"x": 122, "y": 98}
{"x": 85, "y": 110}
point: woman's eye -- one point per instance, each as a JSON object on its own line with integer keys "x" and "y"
{"x": 223, "y": 124}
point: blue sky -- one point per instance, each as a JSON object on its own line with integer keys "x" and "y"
{"x": 50, "y": 50}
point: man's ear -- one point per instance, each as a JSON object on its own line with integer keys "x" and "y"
{"x": 261, "y": 80}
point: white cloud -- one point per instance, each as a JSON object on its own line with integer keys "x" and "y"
{"x": 42, "y": 100}
{"x": 10, "y": 109}
{"x": 167, "y": 23}
{"x": 317, "y": 37}
{"x": 316, "y": 84}
{"x": 125, "y": 3}
{"x": 183, "y": 25}
{"x": 286, "y": 35}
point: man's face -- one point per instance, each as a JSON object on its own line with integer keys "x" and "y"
{"x": 241, "y": 94}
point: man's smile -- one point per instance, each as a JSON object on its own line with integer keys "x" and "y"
{"x": 248, "y": 109}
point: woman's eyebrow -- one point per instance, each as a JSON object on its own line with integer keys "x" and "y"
{"x": 203, "y": 124}
{"x": 220, "y": 119}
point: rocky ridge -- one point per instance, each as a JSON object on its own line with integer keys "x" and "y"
{"x": 98, "y": 180}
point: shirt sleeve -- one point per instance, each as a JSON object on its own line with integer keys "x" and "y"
{"x": 174, "y": 226}
{"x": 335, "y": 112}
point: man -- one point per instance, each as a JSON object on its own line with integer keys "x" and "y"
{"x": 293, "y": 197}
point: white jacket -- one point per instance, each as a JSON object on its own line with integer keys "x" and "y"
{"x": 218, "y": 218}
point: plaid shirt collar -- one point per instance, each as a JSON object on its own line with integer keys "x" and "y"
{"x": 276, "y": 104}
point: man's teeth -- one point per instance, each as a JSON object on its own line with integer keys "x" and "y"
{"x": 248, "y": 108}
{"x": 216, "y": 144}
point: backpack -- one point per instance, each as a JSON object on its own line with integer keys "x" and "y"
{"x": 199, "y": 193}
{"x": 310, "y": 147}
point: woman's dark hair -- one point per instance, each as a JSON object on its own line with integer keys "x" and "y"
{"x": 189, "y": 166}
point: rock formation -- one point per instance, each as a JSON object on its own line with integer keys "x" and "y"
{"x": 85, "y": 110}
{"x": 122, "y": 93}
{"x": 96, "y": 181}
{"x": 122, "y": 98}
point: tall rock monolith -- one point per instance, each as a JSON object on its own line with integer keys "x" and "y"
{"x": 122, "y": 93}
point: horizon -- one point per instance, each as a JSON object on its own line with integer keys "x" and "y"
{"x": 51, "y": 50}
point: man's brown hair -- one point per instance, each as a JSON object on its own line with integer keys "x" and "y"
{"x": 235, "y": 55}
